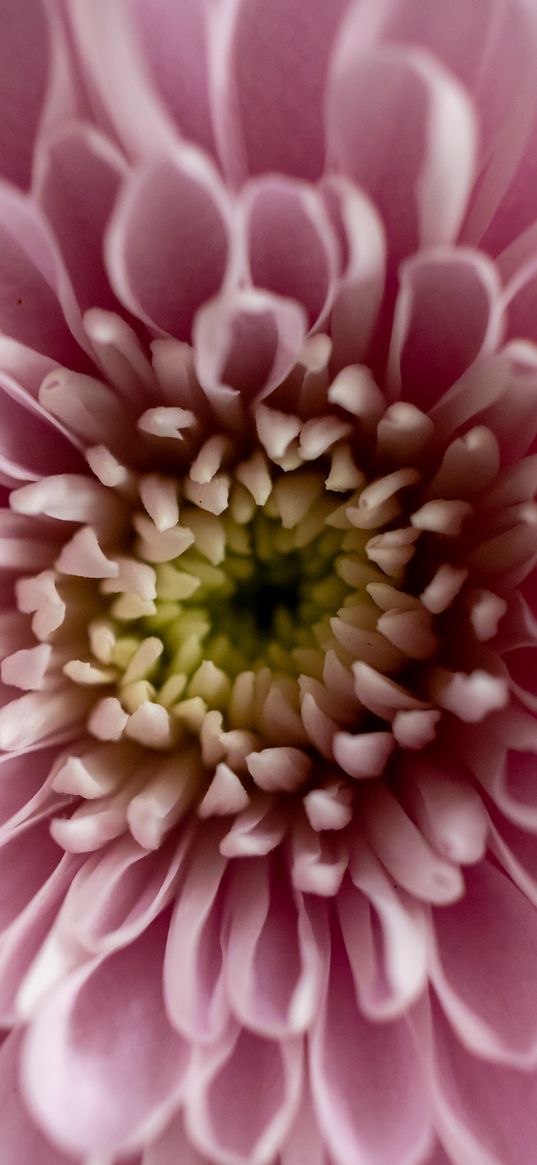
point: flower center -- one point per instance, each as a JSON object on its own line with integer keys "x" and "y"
{"x": 225, "y": 603}
{"x": 274, "y": 614}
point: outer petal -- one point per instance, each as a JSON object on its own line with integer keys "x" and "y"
{"x": 485, "y": 964}
{"x": 36, "y": 299}
{"x": 491, "y": 46}
{"x": 112, "y": 899}
{"x": 168, "y": 243}
{"x": 242, "y": 1097}
{"x": 31, "y": 444}
{"x": 101, "y": 1065}
{"x": 291, "y": 249}
{"x": 172, "y": 38}
{"x": 395, "y": 122}
{"x": 273, "y": 963}
{"x": 448, "y": 313}
{"x": 24, "y": 787}
{"x": 384, "y": 936}
{"x": 269, "y": 84}
{"x": 20, "y": 1139}
{"x": 24, "y": 67}
{"x": 77, "y": 180}
{"x": 360, "y": 286}
{"x": 21, "y": 941}
{"x": 485, "y": 1113}
{"x": 193, "y": 969}
{"x": 370, "y": 1095}
{"x": 172, "y": 1147}
{"x": 113, "y": 63}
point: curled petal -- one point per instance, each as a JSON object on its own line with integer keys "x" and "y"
{"x": 97, "y": 1095}
{"x": 272, "y": 959}
{"x": 248, "y": 340}
{"x": 274, "y": 81}
{"x": 395, "y": 121}
{"x": 350, "y": 1060}
{"x": 500, "y": 935}
{"x": 290, "y": 248}
{"x": 447, "y": 314}
{"x": 167, "y": 246}
{"x": 266, "y": 1075}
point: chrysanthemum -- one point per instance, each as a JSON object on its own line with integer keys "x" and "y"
{"x": 268, "y": 406}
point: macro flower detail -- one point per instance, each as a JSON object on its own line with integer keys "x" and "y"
{"x": 268, "y": 403}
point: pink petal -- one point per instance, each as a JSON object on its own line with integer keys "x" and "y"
{"x": 20, "y": 1139}
{"x": 498, "y": 68}
{"x": 112, "y": 59}
{"x": 272, "y": 957}
{"x": 193, "y": 968}
{"x": 24, "y": 66}
{"x": 486, "y": 965}
{"x": 22, "y": 941}
{"x": 77, "y": 180}
{"x": 274, "y": 80}
{"x": 447, "y": 314}
{"x": 370, "y": 1094}
{"x": 92, "y": 1093}
{"x": 290, "y": 246}
{"x": 172, "y": 1147}
{"x": 242, "y": 1097}
{"x": 485, "y": 1113}
{"x": 31, "y": 444}
{"x": 385, "y": 937}
{"x": 28, "y": 856}
{"x": 248, "y": 340}
{"x": 113, "y": 898}
{"x": 173, "y": 41}
{"x": 396, "y": 119}
{"x": 359, "y": 290}
{"x": 167, "y": 244}
{"x": 34, "y": 290}
{"x": 23, "y": 784}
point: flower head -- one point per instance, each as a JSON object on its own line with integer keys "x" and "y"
{"x": 268, "y": 394}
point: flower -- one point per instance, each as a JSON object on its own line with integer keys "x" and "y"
{"x": 268, "y": 402}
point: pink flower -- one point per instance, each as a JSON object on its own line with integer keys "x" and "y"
{"x": 268, "y": 403}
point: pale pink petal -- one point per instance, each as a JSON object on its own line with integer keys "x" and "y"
{"x": 362, "y": 1121}
{"x": 113, "y": 63}
{"x": 485, "y": 1113}
{"x": 275, "y": 81}
{"x": 248, "y": 340}
{"x": 167, "y": 245}
{"x": 101, "y": 1064}
{"x": 385, "y": 938}
{"x": 447, "y": 314}
{"x": 31, "y": 444}
{"x": 25, "y": 59}
{"x": 21, "y": 942}
{"x": 266, "y": 1075}
{"x": 23, "y": 784}
{"x": 493, "y": 1009}
{"x": 34, "y": 290}
{"x": 272, "y": 956}
{"x": 194, "y": 986}
{"x": 77, "y": 179}
{"x": 172, "y": 1147}
{"x": 20, "y": 1139}
{"x": 290, "y": 247}
{"x": 114, "y": 897}
{"x": 360, "y": 286}
{"x": 394, "y": 118}
{"x": 173, "y": 42}
{"x": 492, "y": 48}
